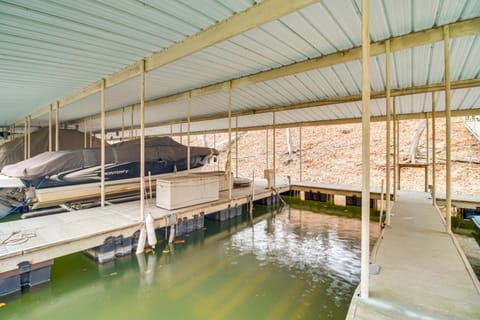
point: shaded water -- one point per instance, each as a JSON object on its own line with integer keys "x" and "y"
{"x": 290, "y": 265}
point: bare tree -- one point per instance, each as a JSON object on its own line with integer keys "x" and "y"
{"x": 412, "y": 154}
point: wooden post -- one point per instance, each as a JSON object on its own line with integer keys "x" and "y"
{"x": 300, "y": 143}
{"x": 365, "y": 241}
{"x": 434, "y": 152}
{"x": 274, "y": 151}
{"x": 189, "y": 110}
{"x": 102, "y": 149}
{"x": 388, "y": 99}
{"x": 229, "y": 171}
{"x": 142, "y": 141}
{"x": 50, "y": 144}
{"x": 12, "y": 133}
{"x": 57, "y": 126}
{"x": 236, "y": 146}
{"x": 448, "y": 130}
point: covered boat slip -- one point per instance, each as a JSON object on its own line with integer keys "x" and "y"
{"x": 48, "y": 237}
{"x": 423, "y": 273}
{"x": 240, "y": 65}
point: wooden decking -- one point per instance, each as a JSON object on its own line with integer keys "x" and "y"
{"x": 423, "y": 274}
{"x": 44, "y": 238}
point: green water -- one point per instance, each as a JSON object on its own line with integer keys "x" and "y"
{"x": 291, "y": 264}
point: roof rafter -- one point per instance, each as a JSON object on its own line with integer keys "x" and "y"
{"x": 264, "y": 12}
{"x": 455, "y": 85}
{"x": 411, "y": 40}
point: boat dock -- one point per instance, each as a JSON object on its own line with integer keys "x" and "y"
{"x": 423, "y": 273}
{"x": 459, "y": 201}
{"x": 45, "y": 238}
{"x": 334, "y": 189}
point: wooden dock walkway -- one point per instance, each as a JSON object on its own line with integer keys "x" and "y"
{"x": 39, "y": 239}
{"x": 423, "y": 274}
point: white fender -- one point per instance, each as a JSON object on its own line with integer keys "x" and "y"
{"x": 151, "y": 236}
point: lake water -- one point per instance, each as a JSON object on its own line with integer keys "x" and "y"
{"x": 289, "y": 264}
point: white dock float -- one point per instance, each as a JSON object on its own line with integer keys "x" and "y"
{"x": 423, "y": 274}
{"x": 39, "y": 239}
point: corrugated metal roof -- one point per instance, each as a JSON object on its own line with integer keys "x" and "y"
{"x": 56, "y": 47}
{"x": 52, "y": 48}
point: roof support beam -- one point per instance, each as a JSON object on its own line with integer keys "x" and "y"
{"x": 409, "y": 116}
{"x": 264, "y": 12}
{"x": 415, "y": 39}
{"x": 455, "y": 85}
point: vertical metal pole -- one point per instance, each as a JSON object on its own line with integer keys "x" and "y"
{"x": 50, "y": 144}
{"x": 427, "y": 155}
{"x": 57, "y": 126}
{"x": 171, "y": 130}
{"x": 29, "y": 136}
{"x": 434, "y": 156}
{"x": 236, "y": 146}
{"x": 142, "y": 141}
{"x": 365, "y": 246}
{"x": 85, "y": 133}
{"x": 123, "y": 124}
{"x": 25, "y": 142}
{"x": 448, "y": 130}
{"x": 300, "y": 143}
{"x": 273, "y": 150}
{"x": 388, "y": 99}
{"x": 181, "y": 135}
{"x": 131, "y": 121}
{"x": 398, "y": 151}
{"x": 395, "y": 142}
{"x": 266, "y": 147}
{"x": 102, "y": 149}
{"x": 229, "y": 140}
{"x": 215, "y": 147}
{"x": 189, "y": 110}
{"x": 12, "y": 134}
{"x": 91, "y": 133}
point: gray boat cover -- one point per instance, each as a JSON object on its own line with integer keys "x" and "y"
{"x": 13, "y": 151}
{"x": 49, "y": 163}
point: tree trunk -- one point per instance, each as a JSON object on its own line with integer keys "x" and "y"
{"x": 289, "y": 145}
{"x": 416, "y": 139}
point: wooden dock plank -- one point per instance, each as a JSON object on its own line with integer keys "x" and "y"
{"x": 422, "y": 275}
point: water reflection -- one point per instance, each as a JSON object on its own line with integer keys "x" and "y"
{"x": 286, "y": 265}
{"x": 320, "y": 249}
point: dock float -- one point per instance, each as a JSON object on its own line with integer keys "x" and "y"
{"x": 423, "y": 273}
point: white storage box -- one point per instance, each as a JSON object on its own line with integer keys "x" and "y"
{"x": 183, "y": 191}
{"x": 222, "y": 178}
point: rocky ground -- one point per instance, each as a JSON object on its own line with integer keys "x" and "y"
{"x": 332, "y": 154}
